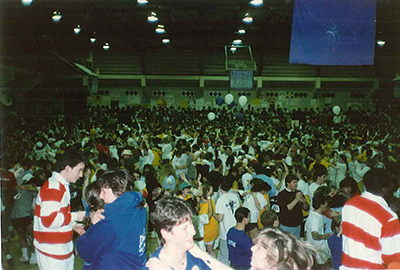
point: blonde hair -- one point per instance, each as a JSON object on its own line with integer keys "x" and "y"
{"x": 284, "y": 251}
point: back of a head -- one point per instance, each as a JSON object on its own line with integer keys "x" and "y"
{"x": 217, "y": 163}
{"x": 117, "y": 180}
{"x": 92, "y": 195}
{"x": 318, "y": 200}
{"x": 168, "y": 212}
{"x": 375, "y": 180}
{"x": 258, "y": 168}
{"x": 284, "y": 251}
{"x": 71, "y": 157}
{"x": 268, "y": 218}
{"x": 227, "y": 183}
{"x": 241, "y": 213}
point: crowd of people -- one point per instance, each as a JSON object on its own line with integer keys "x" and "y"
{"x": 250, "y": 189}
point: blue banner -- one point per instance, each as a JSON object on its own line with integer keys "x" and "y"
{"x": 333, "y": 32}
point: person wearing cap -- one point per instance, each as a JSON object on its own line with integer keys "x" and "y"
{"x": 184, "y": 188}
{"x": 22, "y": 214}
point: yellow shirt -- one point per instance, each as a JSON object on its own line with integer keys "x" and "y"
{"x": 211, "y": 230}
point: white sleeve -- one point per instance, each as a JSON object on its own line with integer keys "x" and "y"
{"x": 261, "y": 199}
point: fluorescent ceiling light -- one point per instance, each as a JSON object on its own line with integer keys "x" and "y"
{"x": 142, "y": 2}
{"x": 160, "y": 29}
{"x": 56, "y": 16}
{"x": 106, "y": 46}
{"x": 92, "y": 39}
{"x": 247, "y": 18}
{"x": 237, "y": 41}
{"x": 26, "y": 2}
{"x": 77, "y": 29}
{"x": 381, "y": 43}
{"x": 166, "y": 41}
{"x": 242, "y": 31}
{"x": 152, "y": 17}
{"x": 256, "y": 3}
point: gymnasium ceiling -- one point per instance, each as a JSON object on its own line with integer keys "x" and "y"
{"x": 198, "y": 30}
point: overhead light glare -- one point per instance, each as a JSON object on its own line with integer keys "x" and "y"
{"x": 381, "y": 43}
{"x": 237, "y": 41}
{"x": 247, "y": 18}
{"x": 77, "y": 29}
{"x": 166, "y": 41}
{"x": 106, "y": 46}
{"x": 26, "y": 2}
{"x": 142, "y": 2}
{"x": 92, "y": 39}
{"x": 160, "y": 29}
{"x": 242, "y": 31}
{"x": 56, "y": 16}
{"x": 152, "y": 17}
{"x": 256, "y": 3}
{"x": 233, "y": 49}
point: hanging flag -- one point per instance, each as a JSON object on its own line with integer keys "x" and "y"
{"x": 339, "y": 32}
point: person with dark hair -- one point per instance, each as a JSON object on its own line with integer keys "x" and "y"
{"x": 279, "y": 250}
{"x": 269, "y": 218}
{"x": 239, "y": 244}
{"x": 172, "y": 220}
{"x": 315, "y": 228}
{"x": 291, "y": 203}
{"x": 53, "y": 220}
{"x": 371, "y": 230}
{"x": 215, "y": 176}
{"x": 256, "y": 202}
{"x": 349, "y": 188}
{"x": 226, "y": 206}
{"x": 119, "y": 240}
{"x": 259, "y": 172}
{"x": 319, "y": 177}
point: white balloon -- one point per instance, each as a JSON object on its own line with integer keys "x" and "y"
{"x": 211, "y": 116}
{"x": 242, "y": 100}
{"x": 336, "y": 110}
{"x": 228, "y": 99}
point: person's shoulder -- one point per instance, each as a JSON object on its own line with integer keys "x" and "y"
{"x": 195, "y": 263}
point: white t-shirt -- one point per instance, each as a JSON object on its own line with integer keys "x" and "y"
{"x": 315, "y": 223}
{"x": 250, "y": 204}
{"x": 246, "y": 178}
{"x": 180, "y": 161}
{"x": 227, "y": 204}
{"x": 303, "y": 187}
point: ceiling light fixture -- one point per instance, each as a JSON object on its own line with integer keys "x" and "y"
{"x": 77, "y": 29}
{"x": 233, "y": 49}
{"x": 92, "y": 39}
{"x": 160, "y": 29}
{"x": 166, "y": 41}
{"x": 26, "y": 2}
{"x": 256, "y": 3}
{"x": 247, "y": 18}
{"x": 242, "y": 31}
{"x": 237, "y": 41}
{"x": 381, "y": 43}
{"x": 142, "y": 2}
{"x": 56, "y": 16}
{"x": 106, "y": 46}
{"x": 152, "y": 17}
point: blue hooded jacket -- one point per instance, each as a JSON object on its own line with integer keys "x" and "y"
{"x": 119, "y": 240}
